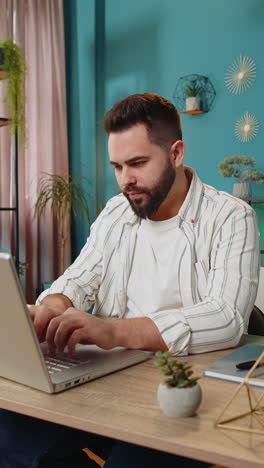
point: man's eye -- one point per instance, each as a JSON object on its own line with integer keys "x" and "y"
{"x": 137, "y": 163}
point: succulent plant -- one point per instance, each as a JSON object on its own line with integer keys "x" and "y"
{"x": 192, "y": 90}
{"x": 179, "y": 372}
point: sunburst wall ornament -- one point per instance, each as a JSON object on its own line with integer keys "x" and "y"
{"x": 247, "y": 127}
{"x": 240, "y": 75}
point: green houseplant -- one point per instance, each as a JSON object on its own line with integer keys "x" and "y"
{"x": 234, "y": 166}
{"x": 64, "y": 196}
{"x": 13, "y": 68}
{"x": 192, "y": 99}
{"x": 180, "y": 394}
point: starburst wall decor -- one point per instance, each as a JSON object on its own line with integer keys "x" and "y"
{"x": 247, "y": 127}
{"x": 240, "y": 75}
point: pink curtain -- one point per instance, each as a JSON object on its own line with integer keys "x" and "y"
{"x": 37, "y": 26}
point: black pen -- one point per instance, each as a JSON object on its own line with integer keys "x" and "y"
{"x": 248, "y": 364}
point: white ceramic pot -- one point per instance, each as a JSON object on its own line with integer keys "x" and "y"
{"x": 179, "y": 402}
{"x": 192, "y": 103}
{"x": 242, "y": 190}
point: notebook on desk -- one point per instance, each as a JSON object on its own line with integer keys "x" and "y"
{"x": 23, "y": 359}
{"x": 226, "y": 369}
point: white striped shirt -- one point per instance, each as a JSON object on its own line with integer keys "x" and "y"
{"x": 216, "y": 274}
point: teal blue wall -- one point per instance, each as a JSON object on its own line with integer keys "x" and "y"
{"x": 151, "y": 43}
{"x": 79, "y": 19}
{"x": 145, "y": 46}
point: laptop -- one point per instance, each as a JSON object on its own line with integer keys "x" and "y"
{"x": 24, "y": 360}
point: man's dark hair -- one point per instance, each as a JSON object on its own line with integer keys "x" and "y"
{"x": 159, "y": 115}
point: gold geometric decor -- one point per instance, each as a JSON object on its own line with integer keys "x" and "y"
{"x": 246, "y": 127}
{"x": 240, "y": 75}
{"x": 253, "y": 419}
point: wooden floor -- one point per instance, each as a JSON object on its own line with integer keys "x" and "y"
{"x": 94, "y": 457}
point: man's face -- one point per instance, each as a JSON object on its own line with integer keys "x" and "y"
{"x": 144, "y": 170}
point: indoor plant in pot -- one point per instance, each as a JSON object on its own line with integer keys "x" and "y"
{"x": 192, "y": 101}
{"x": 233, "y": 167}
{"x": 64, "y": 196}
{"x": 13, "y": 68}
{"x": 179, "y": 395}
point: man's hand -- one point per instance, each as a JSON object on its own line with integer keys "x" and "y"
{"x": 52, "y": 306}
{"x": 41, "y": 316}
{"x": 75, "y": 326}
{"x": 60, "y": 324}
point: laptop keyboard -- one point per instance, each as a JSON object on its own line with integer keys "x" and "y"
{"x": 62, "y": 362}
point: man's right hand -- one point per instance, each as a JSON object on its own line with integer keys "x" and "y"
{"x": 41, "y": 316}
{"x": 52, "y": 306}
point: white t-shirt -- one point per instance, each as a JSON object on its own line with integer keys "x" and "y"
{"x": 153, "y": 284}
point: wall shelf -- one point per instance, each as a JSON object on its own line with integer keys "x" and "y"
{"x": 191, "y": 87}
{"x": 4, "y": 122}
{"x": 3, "y": 75}
{"x": 194, "y": 112}
{"x": 256, "y": 199}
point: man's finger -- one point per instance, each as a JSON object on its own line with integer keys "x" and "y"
{"x": 78, "y": 336}
{"x": 32, "y": 311}
{"x": 50, "y": 333}
{"x": 59, "y": 330}
{"x": 64, "y": 332}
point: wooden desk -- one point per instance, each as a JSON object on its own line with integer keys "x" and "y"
{"x": 124, "y": 406}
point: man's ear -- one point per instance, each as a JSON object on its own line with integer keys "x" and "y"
{"x": 177, "y": 153}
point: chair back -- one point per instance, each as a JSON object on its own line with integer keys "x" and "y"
{"x": 256, "y": 322}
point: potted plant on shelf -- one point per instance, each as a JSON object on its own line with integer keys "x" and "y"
{"x": 64, "y": 196}
{"x": 192, "y": 101}
{"x": 13, "y": 68}
{"x": 179, "y": 395}
{"x": 233, "y": 167}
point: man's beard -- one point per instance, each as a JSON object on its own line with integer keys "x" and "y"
{"x": 146, "y": 206}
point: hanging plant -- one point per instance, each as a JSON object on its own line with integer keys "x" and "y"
{"x": 14, "y": 68}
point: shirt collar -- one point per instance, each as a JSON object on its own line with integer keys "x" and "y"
{"x": 189, "y": 210}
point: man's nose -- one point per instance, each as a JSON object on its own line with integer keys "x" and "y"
{"x": 127, "y": 177}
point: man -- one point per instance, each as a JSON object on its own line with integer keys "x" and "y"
{"x": 174, "y": 260}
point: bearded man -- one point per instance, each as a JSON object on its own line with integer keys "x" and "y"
{"x": 174, "y": 260}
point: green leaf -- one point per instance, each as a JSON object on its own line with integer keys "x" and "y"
{"x": 159, "y": 362}
{"x": 166, "y": 371}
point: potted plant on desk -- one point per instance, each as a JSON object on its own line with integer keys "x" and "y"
{"x": 233, "y": 167}
{"x": 179, "y": 395}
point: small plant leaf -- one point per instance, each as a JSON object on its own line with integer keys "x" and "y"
{"x": 179, "y": 371}
{"x": 167, "y": 371}
{"x": 160, "y": 362}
